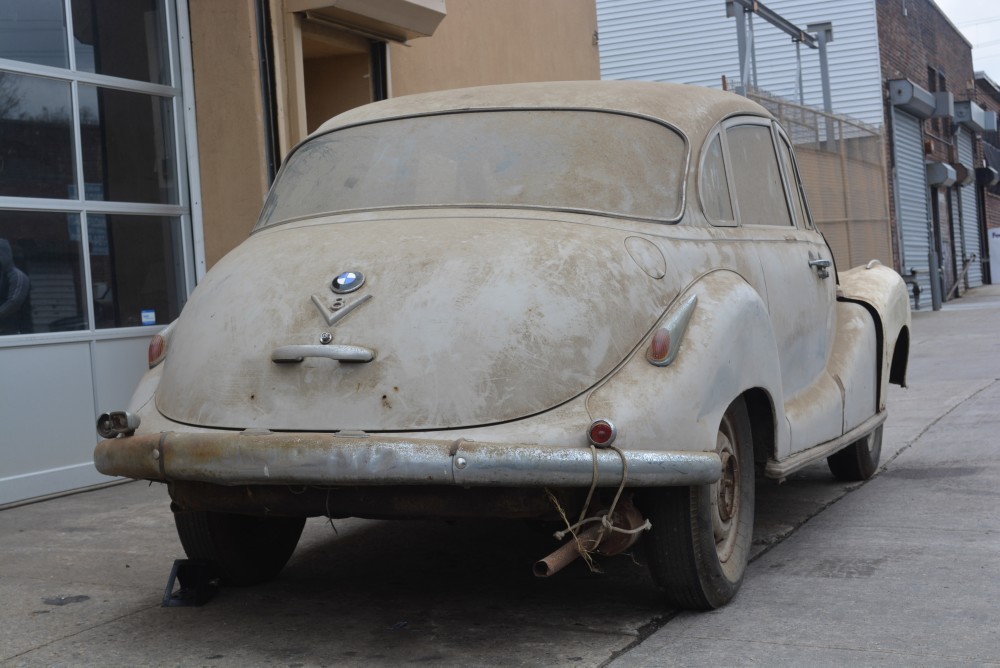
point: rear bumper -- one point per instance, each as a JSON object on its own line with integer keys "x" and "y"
{"x": 248, "y": 458}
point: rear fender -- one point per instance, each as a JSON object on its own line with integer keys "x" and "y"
{"x": 728, "y": 349}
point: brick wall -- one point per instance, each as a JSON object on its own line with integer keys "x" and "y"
{"x": 989, "y": 98}
{"x": 992, "y": 210}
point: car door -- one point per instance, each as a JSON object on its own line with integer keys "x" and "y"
{"x": 799, "y": 276}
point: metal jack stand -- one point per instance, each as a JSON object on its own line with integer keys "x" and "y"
{"x": 197, "y": 584}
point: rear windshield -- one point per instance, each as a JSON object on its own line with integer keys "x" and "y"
{"x": 591, "y": 161}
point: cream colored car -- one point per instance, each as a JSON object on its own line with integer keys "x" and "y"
{"x": 602, "y": 303}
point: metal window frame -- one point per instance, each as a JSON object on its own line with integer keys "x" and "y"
{"x": 759, "y": 121}
{"x": 183, "y": 147}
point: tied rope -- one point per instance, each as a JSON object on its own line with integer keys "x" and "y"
{"x": 607, "y": 526}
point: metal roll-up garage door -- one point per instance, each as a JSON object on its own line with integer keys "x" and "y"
{"x": 970, "y": 213}
{"x": 912, "y": 210}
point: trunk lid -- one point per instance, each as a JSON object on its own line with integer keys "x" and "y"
{"x": 474, "y": 320}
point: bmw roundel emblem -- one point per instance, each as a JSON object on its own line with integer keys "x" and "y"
{"x": 349, "y": 281}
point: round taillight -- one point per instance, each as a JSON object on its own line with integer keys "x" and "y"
{"x": 157, "y": 350}
{"x": 659, "y": 347}
{"x": 602, "y": 433}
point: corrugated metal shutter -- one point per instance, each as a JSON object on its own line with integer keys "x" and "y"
{"x": 694, "y": 42}
{"x": 911, "y": 197}
{"x": 970, "y": 212}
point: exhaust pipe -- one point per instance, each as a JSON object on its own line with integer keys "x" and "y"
{"x": 111, "y": 425}
{"x": 596, "y": 539}
{"x": 569, "y": 552}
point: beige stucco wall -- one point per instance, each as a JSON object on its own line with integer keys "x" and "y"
{"x": 488, "y": 42}
{"x": 230, "y": 121}
{"x": 478, "y": 42}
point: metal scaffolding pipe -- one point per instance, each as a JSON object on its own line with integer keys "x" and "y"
{"x": 774, "y": 19}
{"x": 747, "y": 48}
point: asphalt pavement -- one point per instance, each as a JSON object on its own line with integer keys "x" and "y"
{"x": 899, "y": 571}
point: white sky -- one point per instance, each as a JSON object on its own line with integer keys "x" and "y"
{"x": 979, "y": 21}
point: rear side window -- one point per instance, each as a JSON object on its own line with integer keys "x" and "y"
{"x": 760, "y": 193}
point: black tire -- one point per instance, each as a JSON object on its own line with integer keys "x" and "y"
{"x": 859, "y": 460}
{"x": 244, "y": 549}
{"x": 699, "y": 543}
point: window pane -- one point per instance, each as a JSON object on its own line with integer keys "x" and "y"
{"x": 136, "y": 263}
{"x": 714, "y": 185}
{"x": 759, "y": 190}
{"x": 127, "y": 146}
{"x": 121, "y": 39}
{"x": 41, "y": 273}
{"x": 33, "y": 31}
{"x": 576, "y": 160}
{"x": 36, "y": 141}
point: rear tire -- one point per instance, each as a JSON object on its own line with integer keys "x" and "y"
{"x": 244, "y": 549}
{"x": 700, "y": 539}
{"x": 859, "y": 460}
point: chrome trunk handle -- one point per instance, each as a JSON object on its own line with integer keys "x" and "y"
{"x": 341, "y": 353}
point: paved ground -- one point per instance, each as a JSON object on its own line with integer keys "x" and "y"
{"x": 901, "y": 571}
{"x": 904, "y": 570}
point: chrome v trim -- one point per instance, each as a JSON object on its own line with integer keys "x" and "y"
{"x": 331, "y": 316}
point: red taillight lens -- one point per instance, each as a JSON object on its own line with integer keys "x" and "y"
{"x": 659, "y": 348}
{"x": 157, "y": 350}
{"x": 602, "y": 433}
{"x": 666, "y": 341}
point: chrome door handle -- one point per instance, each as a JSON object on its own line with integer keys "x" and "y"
{"x": 342, "y": 353}
{"x": 821, "y": 265}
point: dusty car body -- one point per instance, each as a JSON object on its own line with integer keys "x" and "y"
{"x": 602, "y": 303}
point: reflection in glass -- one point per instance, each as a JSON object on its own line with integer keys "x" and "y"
{"x": 121, "y": 39}
{"x": 41, "y": 249}
{"x": 128, "y": 146}
{"x": 36, "y": 138}
{"x": 136, "y": 265}
{"x": 33, "y": 31}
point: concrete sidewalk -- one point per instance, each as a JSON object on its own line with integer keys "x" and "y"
{"x": 904, "y": 571}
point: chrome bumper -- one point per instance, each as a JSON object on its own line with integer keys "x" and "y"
{"x": 248, "y": 458}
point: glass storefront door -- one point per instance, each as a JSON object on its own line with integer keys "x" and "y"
{"x": 96, "y": 231}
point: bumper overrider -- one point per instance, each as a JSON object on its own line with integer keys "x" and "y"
{"x": 361, "y": 459}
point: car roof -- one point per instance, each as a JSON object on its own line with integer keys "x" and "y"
{"x": 692, "y": 109}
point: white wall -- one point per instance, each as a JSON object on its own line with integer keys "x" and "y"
{"x": 50, "y": 396}
{"x": 693, "y": 42}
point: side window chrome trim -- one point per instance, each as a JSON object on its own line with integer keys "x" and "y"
{"x": 761, "y": 121}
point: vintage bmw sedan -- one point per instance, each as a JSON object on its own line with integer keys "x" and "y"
{"x": 600, "y": 303}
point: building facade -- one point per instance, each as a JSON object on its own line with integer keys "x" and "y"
{"x": 920, "y": 45}
{"x": 988, "y": 95}
{"x": 137, "y": 143}
{"x": 937, "y": 227}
